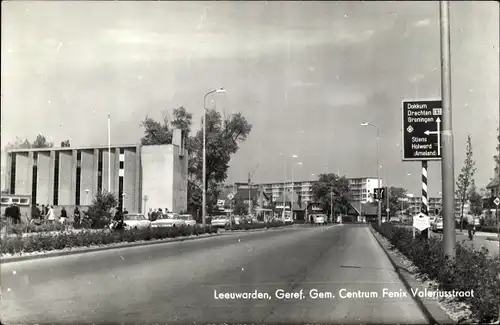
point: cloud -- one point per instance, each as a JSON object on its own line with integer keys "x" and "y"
{"x": 422, "y": 23}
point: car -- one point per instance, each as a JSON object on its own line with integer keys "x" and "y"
{"x": 189, "y": 220}
{"x": 437, "y": 225}
{"x": 135, "y": 221}
{"x": 395, "y": 220}
{"x": 320, "y": 219}
{"x": 220, "y": 221}
{"x": 168, "y": 220}
{"x": 288, "y": 220}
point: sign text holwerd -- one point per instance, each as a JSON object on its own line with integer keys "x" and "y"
{"x": 422, "y": 122}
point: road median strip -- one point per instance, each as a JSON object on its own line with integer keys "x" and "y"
{"x": 467, "y": 287}
{"x": 405, "y": 270}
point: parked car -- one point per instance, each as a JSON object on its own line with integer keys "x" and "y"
{"x": 395, "y": 220}
{"x": 188, "y": 219}
{"x": 168, "y": 220}
{"x": 288, "y": 220}
{"x": 220, "y": 221}
{"x": 135, "y": 221}
{"x": 320, "y": 219}
{"x": 437, "y": 225}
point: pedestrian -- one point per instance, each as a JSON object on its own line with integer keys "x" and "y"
{"x": 154, "y": 215}
{"x": 150, "y": 212}
{"x": 16, "y": 218}
{"x": 46, "y": 210}
{"x": 125, "y": 211}
{"x": 118, "y": 225}
{"x": 64, "y": 216}
{"x": 470, "y": 225}
{"x": 76, "y": 218}
{"x": 50, "y": 214}
{"x": 9, "y": 213}
{"x": 35, "y": 214}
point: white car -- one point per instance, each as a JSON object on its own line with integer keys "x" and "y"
{"x": 320, "y": 219}
{"x": 189, "y": 220}
{"x": 168, "y": 220}
{"x": 220, "y": 221}
{"x": 288, "y": 219}
{"x": 135, "y": 221}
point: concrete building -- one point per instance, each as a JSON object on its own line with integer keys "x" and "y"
{"x": 362, "y": 189}
{"x": 141, "y": 176}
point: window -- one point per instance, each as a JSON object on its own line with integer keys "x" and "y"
{"x": 5, "y": 200}
{"x": 13, "y": 173}
{"x": 99, "y": 170}
{"x": 56, "y": 179}
{"x": 120, "y": 192}
{"x": 78, "y": 177}
{"x": 34, "y": 182}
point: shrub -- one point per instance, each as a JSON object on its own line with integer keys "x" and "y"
{"x": 249, "y": 226}
{"x": 40, "y": 242}
{"x": 471, "y": 270}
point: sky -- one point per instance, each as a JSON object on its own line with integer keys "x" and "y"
{"x": 305, "y": 74}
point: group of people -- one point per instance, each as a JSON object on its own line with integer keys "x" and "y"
{"x": 46, "y": 212}
{"x": 153, "y": 214}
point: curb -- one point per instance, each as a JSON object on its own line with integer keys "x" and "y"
{"x": 253, "y": 230}
{"x": 11, "y": 259}
{"x": 430, "y": 308}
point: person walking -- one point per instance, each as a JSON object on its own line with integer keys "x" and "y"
{"x": 470, "y": 226}
{"x": 76, "y": 218}
{"x": 64, "y": 216}
{"x": 50, "y": 215}
{"x": 35, "y": 214}
{"x": 150, "y": 212}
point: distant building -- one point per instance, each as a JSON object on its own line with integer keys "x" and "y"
{"x": 361, "y": 189}
{"x": 141, "y": 176}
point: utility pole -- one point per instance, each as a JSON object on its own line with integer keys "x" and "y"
{"x": 250, "y": 175}
{"x": 387, "y": 209}
{"x": 447, "y": 160}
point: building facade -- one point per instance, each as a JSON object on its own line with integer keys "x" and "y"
{"x": 140, "y": 176}
{"x": 362, "y": 189}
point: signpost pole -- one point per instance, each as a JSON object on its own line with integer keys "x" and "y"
{"x": 425, "y": 203}
{"x": 447, "y": 163}
{"x": 387, "y": 209}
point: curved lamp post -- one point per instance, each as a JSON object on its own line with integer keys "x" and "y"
{"x": 379, "y": 206}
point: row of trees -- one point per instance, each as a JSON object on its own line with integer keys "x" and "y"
{"x": 40, "y": 142}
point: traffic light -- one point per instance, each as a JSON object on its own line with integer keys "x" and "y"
{"x": 379, "y": 193}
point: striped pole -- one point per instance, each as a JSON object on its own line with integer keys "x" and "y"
{"x": 425, "y": 202}
{"x": 121, "y": 174}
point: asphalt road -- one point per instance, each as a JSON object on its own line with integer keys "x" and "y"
{"x": 176, "y": 282}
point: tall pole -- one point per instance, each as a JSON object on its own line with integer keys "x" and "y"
{"x": 425, "y": 201}
{"x": 447, "y": 159}
{"x": 284, "y": 189}
{"x": 109, "y": 153}
{"x": 387, "y": 209}
{"x": 291, "y": 194}
{"x": 204, "y": 199}
{"x": 379, "y": 210}
{"x": 249, "y": 196}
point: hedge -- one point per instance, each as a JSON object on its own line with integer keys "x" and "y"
{"x": 249, "y": 226}
{"x": 42, "y": 242}
{"x": 471, "y": 269}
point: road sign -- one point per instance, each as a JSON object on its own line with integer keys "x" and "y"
{"x": 496, "y": 201}
{"x": 422, "y": 129}
{"x": 421, "y": 222}
{"x": 230, "y": 196}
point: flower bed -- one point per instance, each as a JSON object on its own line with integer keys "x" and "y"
{"x": 471, "y": 270}
{"x": 41, "y": 242}
{"x": 250, "y": 226}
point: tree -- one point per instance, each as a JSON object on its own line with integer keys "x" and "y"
{"x": 223, "y": 139}
{"x": 476, "y": 201}
{"x": 395, "y": 195}
{"x": 100, "y": 210}
{"x": 65, "y": 144}
{"x": 18, "y": 144}
{"x": 465, "y": 179}
{"x": 41, "y": 142}
{"x": 331, "y": 184}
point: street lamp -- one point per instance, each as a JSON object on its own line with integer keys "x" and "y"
{"x": 293, "y": 185}
{"x": 204, "y": 201}
{"x": 87, "y": 196}
{"x": 379, "y": 208}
